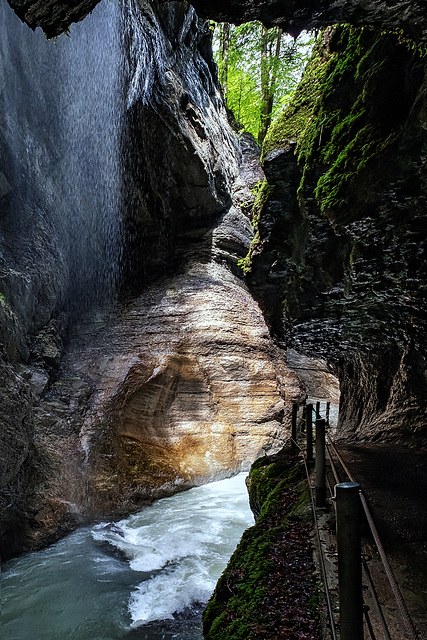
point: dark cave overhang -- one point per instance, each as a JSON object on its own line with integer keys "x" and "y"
{"x": 56, "y": 16}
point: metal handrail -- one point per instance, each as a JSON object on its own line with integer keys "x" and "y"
{"x": 322, "y": 560}
{"x": 376, "y": 600}
{"x": 407, "y": 620}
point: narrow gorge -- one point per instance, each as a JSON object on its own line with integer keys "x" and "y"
{"x": 169, "y": 289}
{"x": 168, "y": 377}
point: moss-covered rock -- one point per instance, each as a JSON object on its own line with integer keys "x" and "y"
{"x": 352, "y": 124}
{"x": 291, "y": 123}
{"x": 340, "y": 115}
{"x": 263, "y": 192}
{"x": 340, "y": 265}
{"x": 268, "y": 589}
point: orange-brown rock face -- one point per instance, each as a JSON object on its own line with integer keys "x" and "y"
{"x": 188, "y": 387}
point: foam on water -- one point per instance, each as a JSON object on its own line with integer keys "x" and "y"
{"x": 180, "y": 545}
{"x": 100, "y": 583}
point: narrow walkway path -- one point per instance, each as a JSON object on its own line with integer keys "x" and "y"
{"x": 394, "y": 479}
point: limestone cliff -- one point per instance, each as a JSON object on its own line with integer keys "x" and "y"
{"x": 181, "y": 385}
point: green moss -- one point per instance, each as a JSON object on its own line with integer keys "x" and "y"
{"x": 292, "y": 122}
{"x": 266, "y": 481}
{"x": 263, "y": 192}
{"x": 340, "y": 115}
{"x": 231, "y": 615}
{"x": 242, "y": 606}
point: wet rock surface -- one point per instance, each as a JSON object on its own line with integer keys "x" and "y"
{"x": 319, "y": 379}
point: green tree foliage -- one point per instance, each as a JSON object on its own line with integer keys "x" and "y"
{"x": 259, "y": 70}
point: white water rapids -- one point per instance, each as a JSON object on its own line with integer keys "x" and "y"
{"x": 145, "y": 577}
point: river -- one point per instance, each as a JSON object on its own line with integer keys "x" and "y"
{"x": 146, "y": 577}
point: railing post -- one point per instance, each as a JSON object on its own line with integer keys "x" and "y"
{"x": 294, "y": 424}
{"x": 328, "y": 410}
{"x": 317, "y": 409}
{"x": 349, "y": 560}
{"x": 309, "y": 430}
{"x": 320, "y": 463}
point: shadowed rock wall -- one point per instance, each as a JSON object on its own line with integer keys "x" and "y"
{"x": 59, "y": 218}
{"x": 179, "y": 155}
{"x": 340, "y": 262}
{"x": 53, "y": 17}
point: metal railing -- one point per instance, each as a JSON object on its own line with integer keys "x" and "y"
{"x": 351, "y": 507}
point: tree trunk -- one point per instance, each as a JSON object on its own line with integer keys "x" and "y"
{"x": 265, "y": 83}
{"x": 224, "y": 56}
{"x": 268, "y": 82}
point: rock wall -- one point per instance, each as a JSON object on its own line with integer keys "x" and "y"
{"x": 179, "y": 154}
{"x": 58, "y": 219}
{"x": 55, "y": 16}
{"x": 341, "y": 231}
{"x": 183, "y": 384}
{"x": 178, "y": 387}
{"x": 188, "y": 387}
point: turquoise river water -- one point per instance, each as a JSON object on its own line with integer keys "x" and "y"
{"x": 146, "y": 577}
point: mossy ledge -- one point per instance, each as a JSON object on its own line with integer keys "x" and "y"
{"x": 340, "y": 115}
{"x": 262, "y": 194}
{"x": 269, "y": 588}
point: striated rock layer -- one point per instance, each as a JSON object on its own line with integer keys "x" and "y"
{"x": 188, "y": 387}
{"x": 180, "y": 386}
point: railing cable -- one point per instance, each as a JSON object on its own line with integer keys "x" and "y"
{"x": 375, "y": 599}
{"x": 409, "y": 625}
{"x": 333, "y": 467}
{"x": 322, "y": 560}
{"x": 412, "y": 633}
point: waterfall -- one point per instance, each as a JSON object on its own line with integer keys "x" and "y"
{"x": 61, "y": 109}
{"x": 111, "y": 142}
